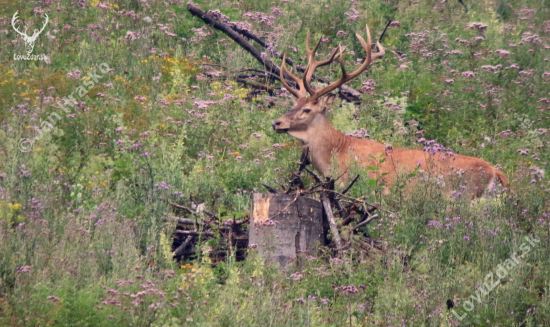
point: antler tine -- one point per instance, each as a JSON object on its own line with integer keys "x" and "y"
{"x": 314, "y": 63}
{"x": 310, "y": 59}
{"x": 347, "y": 77}
{"x": 15, "y": 17}
{"x": 297, "y": 93}
{"x": 308, "y": 51}
{"x": 379, "y": 53}
{"x": 45, "y": 23}
{"x": 321, "y": 64}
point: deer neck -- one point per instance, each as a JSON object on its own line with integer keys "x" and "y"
{"x": 323, "y": 142}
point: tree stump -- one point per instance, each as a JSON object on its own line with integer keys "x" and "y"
{"x": 284, "y": 226}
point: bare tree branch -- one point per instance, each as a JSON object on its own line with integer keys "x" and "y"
{"x": 350, "y": 185}
{"x": 384, "y": 33}
{"x": 271, "y": 189}
{"x": 234, "y": 34}
{"x": 366, "y": 221}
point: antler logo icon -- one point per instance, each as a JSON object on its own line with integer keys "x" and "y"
{"x": 29, "y": 40}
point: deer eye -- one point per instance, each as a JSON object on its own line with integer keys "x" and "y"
{"x": 307, "y": 111}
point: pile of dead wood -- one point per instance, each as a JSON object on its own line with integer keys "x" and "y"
{"x": 341, "y": 213}
{"x": 352, "y": 213}
{"x": 197, "y": 225}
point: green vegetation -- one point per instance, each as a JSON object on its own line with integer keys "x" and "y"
{"x": 85, "y": 228}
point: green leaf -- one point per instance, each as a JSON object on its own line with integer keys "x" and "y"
{"x": 373, "y": 168}
{"x": 239, "y": 215}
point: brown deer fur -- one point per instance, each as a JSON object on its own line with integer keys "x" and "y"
{"x": 307, "y": 122}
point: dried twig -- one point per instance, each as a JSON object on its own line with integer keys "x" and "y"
{"x": 186, "y": 221}
{"x": 350, "y": 216}
{"x": 315, "y": 176}
{"x": 361, "y": 201}
{"x": 384, "y": 33}
{"x": 350, "y": 185}
{"x": 295, "y": 181}
{"x": 194, "y": 233}
{"x": 179, "y": 206}
{"x": 214, "y": 22}
{"x": 211, "y": 215}
{"x": 465, "y": 8}
{"x": 271, "y": 189}
{"x": 366, "y": 221}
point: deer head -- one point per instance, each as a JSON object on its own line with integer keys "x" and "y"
{"x": 309, "y": 112}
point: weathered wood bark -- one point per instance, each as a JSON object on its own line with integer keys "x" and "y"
{"x": 284, "y": 226}
{"x": 332, "y": 224}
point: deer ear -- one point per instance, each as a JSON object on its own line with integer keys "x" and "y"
{"x": 294, "y": 101}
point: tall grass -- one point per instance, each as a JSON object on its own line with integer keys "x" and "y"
{"x": 85, "y": 227}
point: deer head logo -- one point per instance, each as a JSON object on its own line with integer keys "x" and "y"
{"x": 29, "y": 40}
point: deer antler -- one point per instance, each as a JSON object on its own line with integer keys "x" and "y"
{"x": 13, "y": 24}
{"x": 308, "y": 73}
{"x": 313, "y": 64}
{"x": 45, "y": 23}
{"x": 301, "y": 93}
{"x": 316, "y": 94}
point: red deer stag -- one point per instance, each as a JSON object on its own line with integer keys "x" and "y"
{"x": 307, "y": 122}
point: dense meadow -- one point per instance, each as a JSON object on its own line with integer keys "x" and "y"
{"x": 85, "y": 225}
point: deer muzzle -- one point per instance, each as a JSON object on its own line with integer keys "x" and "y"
{"x": 279, "y": 126}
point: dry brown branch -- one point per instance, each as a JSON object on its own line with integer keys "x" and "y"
{"x": 194, "y": 233}
{"x": 257, "y": 86}
{"x": 350, "y": 185}
{"x": 271, "y": 189}
{"x": 366, "y": 221}
{"x": 186, "y": 221}
{"x": 315, "y": 176}
{"x": 364, "y": 202}
{"x": 179, "y": 206}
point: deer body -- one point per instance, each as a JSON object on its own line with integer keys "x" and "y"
{"x": 323, "y": 142}
{"x": 307, "y": 122}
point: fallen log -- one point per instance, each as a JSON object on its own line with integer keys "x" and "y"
{"x": 180, "y": 249}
